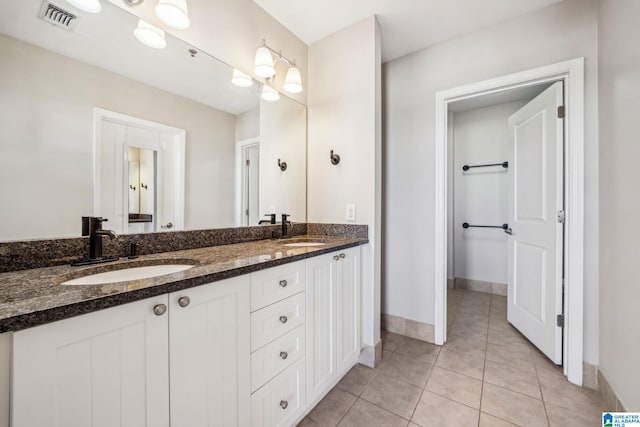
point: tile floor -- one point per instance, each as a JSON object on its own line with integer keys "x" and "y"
{"x": 486, "y": 375}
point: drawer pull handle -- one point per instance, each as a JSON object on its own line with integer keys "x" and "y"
{"x": 284, "y": 319}
{"x": 336, "y": 257}
{"x": 284, "y": 404}
{"x": 283, "y": 283}
{"x": 159, "y": 309}
{"x": 184, "y": 301}
{"x": 284, "y": 355}
{"x": 342, "y": 255}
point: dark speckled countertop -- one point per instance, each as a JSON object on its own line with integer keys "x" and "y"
{"x": 34, "y": 297}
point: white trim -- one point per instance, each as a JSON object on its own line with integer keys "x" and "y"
{"x": 240, "y": 145}
{"x": 176, "y": 139}
{"x": 572, "y": 73}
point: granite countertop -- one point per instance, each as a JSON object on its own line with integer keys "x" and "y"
{"x": 34, "y": 297}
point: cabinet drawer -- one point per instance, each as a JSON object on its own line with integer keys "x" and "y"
{"x": 274, "y": 358}
{"x": 281, "y": 401}
{"x": 275, "y": 284}
{"x": 276, "y": 320}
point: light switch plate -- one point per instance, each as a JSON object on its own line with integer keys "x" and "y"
{"x": 351, "y": 212}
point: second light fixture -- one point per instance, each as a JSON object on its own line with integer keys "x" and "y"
{"x": 264, "y": 66}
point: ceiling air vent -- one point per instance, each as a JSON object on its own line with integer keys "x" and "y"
{"x": 57, "y": 16}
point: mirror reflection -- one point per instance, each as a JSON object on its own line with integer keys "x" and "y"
{"x": 95, "y": 123}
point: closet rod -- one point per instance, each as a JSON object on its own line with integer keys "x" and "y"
{"x": 503, "y": 226}
{"x": 503, "y": 164}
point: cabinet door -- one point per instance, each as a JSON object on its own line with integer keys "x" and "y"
{"x": 321, "y": 325}
{"x": 209, "y": 352}
{"x": 348, "y": 309}
{"x": 107, "y": 368}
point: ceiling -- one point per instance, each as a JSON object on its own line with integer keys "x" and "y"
{"x": 106, "y": 40}
{"x": 407, "y": 25}
{"x": 523, "y": 93}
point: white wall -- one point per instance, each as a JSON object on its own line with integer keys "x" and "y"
{"x": 283, "y": 135}
{"x": 344, "y": 112}
{"x": 560, "y": 32}
{"x": 47, "y": 141}
{"x": 480, "y": 136}
{"x": 248, "y": 125}
{"x": 619, "y": 77}
{"x": 231, "y": 30}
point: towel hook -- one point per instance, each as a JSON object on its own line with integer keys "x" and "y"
{"x": 282, "y": 165}
{"x": 335, "y": 158}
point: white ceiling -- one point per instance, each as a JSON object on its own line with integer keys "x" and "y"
{"x": 524, "y": 93}
{"x": 407, "y": 25}
{"x": 106, "y": 40}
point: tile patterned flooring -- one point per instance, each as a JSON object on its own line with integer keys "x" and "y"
{"x": 487, "y": 374}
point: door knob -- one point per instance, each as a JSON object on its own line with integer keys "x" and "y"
{"x": 168, "y": 225}
{"x": 284, "y": 355}
{"x": 283, "y": 319}
{"x": 342, "y": 255}
{"x": 284, "y": 404}
{"x": 184, "y": 301}
{"x": 159, "y": 309}
{"x": 283, "y": 283}
{"x": 336, "y": 257}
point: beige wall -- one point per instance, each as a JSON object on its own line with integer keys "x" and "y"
{"x": 344, "y": 115}
{"x": 46, "y": 154}
{"x": 231, "y": 30}
{"x": 564, "y": 31}
{"x": 619, "y": 86}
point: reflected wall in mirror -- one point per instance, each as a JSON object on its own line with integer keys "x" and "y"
{"x": 76, "y": 105}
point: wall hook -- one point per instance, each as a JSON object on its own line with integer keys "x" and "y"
{"x": 133, "y": 187}
{"x": 144, "y": 186}
{"x": 282, "y": 165}
{"x": 335, "y": 158}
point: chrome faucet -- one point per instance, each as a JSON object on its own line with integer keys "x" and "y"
{"x": 92, "y": 227}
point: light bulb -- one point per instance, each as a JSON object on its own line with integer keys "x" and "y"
{"x": 150, "y": 35}
{"x": 270, "y": 94}
{"x": 263, "y": 66}
{"x": 241, "y": 79}
{"x": 174, "y": 13}
{"x": 293, "y": 81}
{"x": 90, "y": 6}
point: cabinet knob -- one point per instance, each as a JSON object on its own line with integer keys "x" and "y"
{"x": 159, "y": 309}
{"x": 284, "y": 355}
{"x": 284, "y": 319}
{"x": 336, "y": 257}
{"x": 342, "y": 255}
{"x": 184, "y": 301}
{"x": 284, "y": 404}
{"x": 283, "y": 283}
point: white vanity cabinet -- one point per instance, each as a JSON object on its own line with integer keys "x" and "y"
{"x": 333, "y": 319}
{"x": 127, "y": 365}
{"x": 107, "y": 368}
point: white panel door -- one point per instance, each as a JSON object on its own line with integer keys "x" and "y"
{"x": 321, "y": 324}
{"x": 535, "y": 246}
{"x": 104, "y": 369}
{"x": 209, "y": 353}
{"x": 348, "y": 309}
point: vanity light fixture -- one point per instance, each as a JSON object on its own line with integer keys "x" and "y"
{"x": 174, "y": 13}
{"x": 150, "y": 35}
{"x": 264, "y": 66}
{"x": 269, "y": 93}
{"x": 241, "y": 79}
{"x": 90, "y": 6}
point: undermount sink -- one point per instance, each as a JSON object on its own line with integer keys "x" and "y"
{"x": 303, "y": 243}
{"x": 128, "y": 274}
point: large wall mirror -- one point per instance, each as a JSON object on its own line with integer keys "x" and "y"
{"x": 155, "y": 139}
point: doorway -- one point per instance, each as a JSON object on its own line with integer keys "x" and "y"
{"x": 571, "y": 75}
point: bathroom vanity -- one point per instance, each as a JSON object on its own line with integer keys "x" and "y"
{"x": 254, "y": 334}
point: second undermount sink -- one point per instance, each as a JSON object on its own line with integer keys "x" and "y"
{"x": 128, "y": 274}
{"x": 303, "y": 243}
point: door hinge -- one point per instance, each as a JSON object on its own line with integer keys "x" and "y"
{"x": 561, "y": 112}
{"x": 248, "y": 162}
{"x": 560, "y": 320}
{"x": 561, "y": 217}
{"x": 246, "y": 212}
